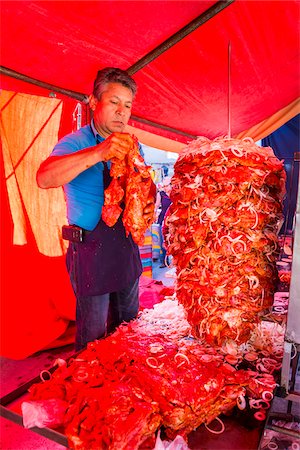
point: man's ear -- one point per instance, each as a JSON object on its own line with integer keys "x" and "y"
{"x": 93, "y": 102}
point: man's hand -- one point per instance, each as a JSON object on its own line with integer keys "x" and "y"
{"x": 149, "y": 210}
{"x": 117, "y": 145}
{"x": 148, "y": 213}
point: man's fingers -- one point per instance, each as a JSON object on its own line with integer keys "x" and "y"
{"x": 150, "y": 201}
{"x": 122, "y": 139}
{"x": 117, "y": 145}
{"x": 126, "y": 137}
{"x": 148, "y": 211}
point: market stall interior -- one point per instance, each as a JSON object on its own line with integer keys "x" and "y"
{"x": 208, "y": 72}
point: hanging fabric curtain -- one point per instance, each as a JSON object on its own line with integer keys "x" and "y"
{"x": 29, "y": 129}
{"x": 37, "y": 300}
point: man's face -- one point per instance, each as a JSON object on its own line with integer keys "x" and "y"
{"x": 112, "y": 111}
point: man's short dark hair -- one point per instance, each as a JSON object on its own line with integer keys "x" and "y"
{"x": 113, "y": 75}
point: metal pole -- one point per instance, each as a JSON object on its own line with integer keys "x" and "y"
{"x": 83, "y": 98}
{"x": 19, "y": 76}
{"x": 229, "y": 90}
{"x": 179, "y": 35}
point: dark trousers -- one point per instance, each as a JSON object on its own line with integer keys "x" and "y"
{"x": 96, "y": 316}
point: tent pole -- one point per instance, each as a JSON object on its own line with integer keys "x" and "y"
{"x": 19, "y": 76}
{"x": 81, "y": 98}
{"x": 180, "y": 34}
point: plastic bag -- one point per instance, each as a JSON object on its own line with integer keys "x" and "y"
{"x": 178, "y": 444}
{"x": 43, "y": 413}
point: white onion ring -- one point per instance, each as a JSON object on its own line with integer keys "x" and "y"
{"x": 267, "y": 396}
{"x": 295, "y": 350}
{"x": 42, "y": 375}
{"x": 236, "y": 151}
{"x": 152, "y": 365}
{"x": 248, "y": 139}
{"x": 216, "y": 432}
{"x": 251, "y": 356}
{"x": 241, "y": 402}
{"x": 60, "y": 362}
{"x": 254, "y": 403}
{"x": 183, "y": 356}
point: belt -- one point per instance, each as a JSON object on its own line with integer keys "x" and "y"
{"x": 74, "y": 233}
{"x": 84, "y": 231}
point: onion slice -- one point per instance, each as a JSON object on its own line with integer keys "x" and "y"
{"x": 216, "y": 432}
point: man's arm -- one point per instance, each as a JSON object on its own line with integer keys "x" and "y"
{"x": 56, "y": 171}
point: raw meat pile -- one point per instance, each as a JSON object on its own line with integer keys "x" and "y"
{"x": 132, "y": 186}
{"x": 222, "y": 233}
{"x": 122, "y": 389}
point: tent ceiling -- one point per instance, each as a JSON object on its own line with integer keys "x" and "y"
{"x": 186, "y": 87}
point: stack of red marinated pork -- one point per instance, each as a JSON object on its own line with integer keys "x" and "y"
{"x": 222, "y": 233}
{"x": 120, "y": 390}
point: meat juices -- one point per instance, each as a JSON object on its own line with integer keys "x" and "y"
{"x": 222, "y": 230}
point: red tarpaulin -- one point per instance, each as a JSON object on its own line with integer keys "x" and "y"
{"x": 186, "y": 89}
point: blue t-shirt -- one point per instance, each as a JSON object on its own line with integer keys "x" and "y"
{"x": 85, "y": 193}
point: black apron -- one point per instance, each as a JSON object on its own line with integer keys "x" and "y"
{"x": 106, "y": 261}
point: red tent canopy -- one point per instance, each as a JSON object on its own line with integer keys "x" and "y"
{"x": 189, "y": 82}
{"x": 186, "y": 86}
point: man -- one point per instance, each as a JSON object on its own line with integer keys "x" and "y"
{"x": 162, "y": 203}
{"x": 105, "y": 267}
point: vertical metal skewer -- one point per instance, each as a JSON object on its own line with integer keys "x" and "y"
{"x": 229, "y": 89}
